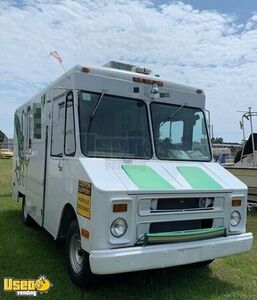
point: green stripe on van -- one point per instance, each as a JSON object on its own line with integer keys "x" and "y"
{"x": 146, "y": 178}
{"x": 198, "y": 179}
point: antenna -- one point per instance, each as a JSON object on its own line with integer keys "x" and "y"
{"x": 56, "y": 55}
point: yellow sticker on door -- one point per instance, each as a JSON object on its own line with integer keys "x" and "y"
{"x": 84, "y": 199}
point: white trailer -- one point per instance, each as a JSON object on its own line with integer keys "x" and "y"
{"x": 119, "y": 163}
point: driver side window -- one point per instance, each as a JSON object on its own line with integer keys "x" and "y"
{"x": 69, "y": 142}
{"x": 57, "y": 140}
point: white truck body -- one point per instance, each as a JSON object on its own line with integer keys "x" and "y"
{"x": 53, "y": 173}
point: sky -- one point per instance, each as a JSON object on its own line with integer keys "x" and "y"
{"x": 206, "y": 44}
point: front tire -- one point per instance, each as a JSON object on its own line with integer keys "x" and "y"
{"x": 26, "y": 218}
{"x": 77, "y": 259}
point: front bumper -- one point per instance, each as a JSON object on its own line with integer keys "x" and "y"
{"x": 166, "y": 255}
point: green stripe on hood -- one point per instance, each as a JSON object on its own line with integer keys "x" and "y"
{"x": 199, "y": 179}
{"x": 146, "y": 178}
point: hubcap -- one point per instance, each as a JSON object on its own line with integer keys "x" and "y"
{"x": 76, "y": 253}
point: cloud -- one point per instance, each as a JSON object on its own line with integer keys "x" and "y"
{"x": 205, "y": 49}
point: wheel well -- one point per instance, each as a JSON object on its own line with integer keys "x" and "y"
{"x": 68, "y": 215}
{"x": 21, "y": 195}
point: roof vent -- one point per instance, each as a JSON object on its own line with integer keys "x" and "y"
{"x": 127, "y": 67}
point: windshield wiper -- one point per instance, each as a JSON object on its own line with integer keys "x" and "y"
{"x": 171, "y": 115}
{"x": 95, "y": 108}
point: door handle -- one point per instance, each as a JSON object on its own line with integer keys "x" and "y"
{"x": 60, "y": 164}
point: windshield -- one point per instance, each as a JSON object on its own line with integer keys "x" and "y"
{"x": 179, "y": 133}
{"x": 113, "y": 127}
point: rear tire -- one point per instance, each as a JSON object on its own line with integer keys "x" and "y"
{"x": 77, "y": 259}
{"x": 26, "y": 218}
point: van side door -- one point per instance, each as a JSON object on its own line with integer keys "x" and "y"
{"x": 60, "y": 167}
{"x": 55, "y": 181}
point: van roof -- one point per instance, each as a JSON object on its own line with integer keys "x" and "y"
{"x": 127, "y": 75}
{"x": 110, "y": 72}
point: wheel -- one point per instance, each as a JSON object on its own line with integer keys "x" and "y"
{"x": 77, "y": 259}
{"x": 26, "y": 218}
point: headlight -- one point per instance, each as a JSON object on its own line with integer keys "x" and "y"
{"x": 119, "y": 227}
{"x": 235, "y": 218}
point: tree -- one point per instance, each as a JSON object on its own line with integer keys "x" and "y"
{"x": 2, "y": 136}
{"x": 218, "y": 140}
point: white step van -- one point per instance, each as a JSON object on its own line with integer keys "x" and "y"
{"x": 119, "y": 163}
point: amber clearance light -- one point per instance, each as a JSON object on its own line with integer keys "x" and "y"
{"x": 147, "y": 81}
{"x": 85, "y": 70}
{"x": 236, "y": 202}
{"x": 121, "y": 207}
{"x": 85, "y": 233}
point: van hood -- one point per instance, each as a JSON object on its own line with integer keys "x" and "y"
{"x": 142, "y": 176}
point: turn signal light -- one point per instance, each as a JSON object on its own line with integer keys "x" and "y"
{"x": 236, "y": 202}
{"x": 85, "y": 233}
{"x": 120, "y": 207}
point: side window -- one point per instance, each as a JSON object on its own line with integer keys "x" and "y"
{"x": 29, "y": 128}
{"x": 57, "y": 139}
{"x": 70, "y": 143}
{"x": 23, "y": 128}
{"x": 199, "y": 133}
{"x": 37, "y": 120}
{"x": 23, "y": 122}
{"x": 199, "y": 128}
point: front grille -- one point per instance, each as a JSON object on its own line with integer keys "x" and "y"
{"x": 180, "y": 204}
{"x": 180, "y": 225}
{"x": 179, "y": 213}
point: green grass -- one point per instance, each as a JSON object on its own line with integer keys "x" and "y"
{"x": 30, "y": 252}
{"x": 5, "y": 176}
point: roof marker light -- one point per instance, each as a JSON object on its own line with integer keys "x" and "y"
{"x": 85, "y": 70}
{"x": 147, "y": 81}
